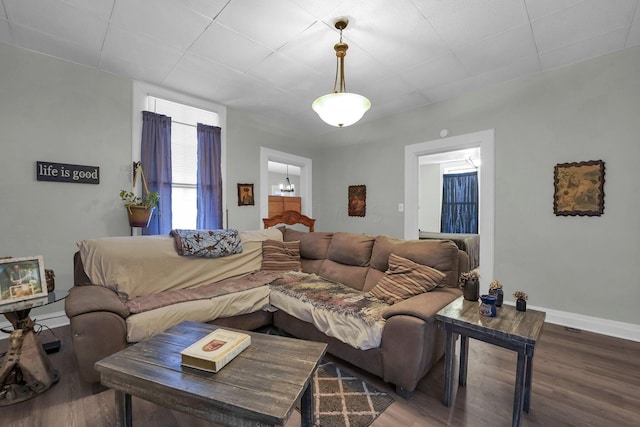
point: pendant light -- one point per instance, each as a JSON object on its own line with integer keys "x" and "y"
{"x": 341, "y": 108}
{"x": 289, "y": 188}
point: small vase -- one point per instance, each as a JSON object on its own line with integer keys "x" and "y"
{"x": 521, "y": 304}
{"x": 471, "y": 289}
{"x": 488, "y": 305}
{"x": 499, "y": 297}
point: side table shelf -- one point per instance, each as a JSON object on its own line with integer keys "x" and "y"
{"x": 26, "y": 370}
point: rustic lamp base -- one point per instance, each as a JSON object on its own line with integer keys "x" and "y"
{"x": 26, "y": 370}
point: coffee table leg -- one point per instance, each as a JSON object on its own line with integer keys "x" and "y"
{"x": 123, "y": 409}
{"x": 307, "y": 407}
{"x": 449, "y": 353}
{"x": 519, "y": 392}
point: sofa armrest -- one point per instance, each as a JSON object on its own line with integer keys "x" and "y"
{"x": 423, "y": 306}
{"x": 93, "y": 298}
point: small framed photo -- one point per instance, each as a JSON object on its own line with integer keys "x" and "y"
{"x": 245, "y": 195}
{"x": 22, "y": 279}
{"x": 579, "y": 188}
{"x": 357, "y": 200}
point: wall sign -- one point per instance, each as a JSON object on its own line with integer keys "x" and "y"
{"x": 63, "y": 172}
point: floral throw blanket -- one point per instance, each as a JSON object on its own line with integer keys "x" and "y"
{"x": 207, "y": 243}
{"x": 331, "y": 296}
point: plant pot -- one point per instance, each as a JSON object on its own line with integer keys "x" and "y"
{"x": 521, "y": 304}
{"x": 139, "y": 216}
{"x": 499, "y": 293}
{"x": 471, "y": 289}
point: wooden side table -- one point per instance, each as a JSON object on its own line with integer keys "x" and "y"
{"x": 26, "y": 370}
{"x": 512, "y": 329}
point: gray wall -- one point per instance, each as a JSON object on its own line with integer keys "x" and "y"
{"x": 55, "y": 111}
{"x": 588, "y": 111}
{"x": 244, "y": 139}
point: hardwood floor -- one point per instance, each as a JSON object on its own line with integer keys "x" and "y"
{"x": 579, "y": 379}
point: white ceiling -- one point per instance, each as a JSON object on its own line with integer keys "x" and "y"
{"x": 273, "y": 58}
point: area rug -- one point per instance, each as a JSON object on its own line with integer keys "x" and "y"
{"x": 344, "y": 400}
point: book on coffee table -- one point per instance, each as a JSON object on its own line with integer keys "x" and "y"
{"x": 215, "y": 350}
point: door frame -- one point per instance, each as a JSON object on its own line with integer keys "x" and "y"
{"x": 305, "y": 165}
{"x": 486, "y": 226}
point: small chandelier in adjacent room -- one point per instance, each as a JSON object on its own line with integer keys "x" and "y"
{"x": 289, "y": 187}
{"x": 341, "y": 108}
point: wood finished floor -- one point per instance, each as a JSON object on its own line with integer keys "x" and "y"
{"x": 580, "y": 379}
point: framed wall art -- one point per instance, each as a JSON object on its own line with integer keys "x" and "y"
{"x": 22, "y": 279}
{"x": 579, "y": 188}
{"x": 357, "y": 200}
{"x": 245, "y": 195}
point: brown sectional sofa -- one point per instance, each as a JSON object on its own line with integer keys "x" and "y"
{"x": 411, "y": 341}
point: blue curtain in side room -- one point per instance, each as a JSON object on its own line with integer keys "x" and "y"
{"x": 460, "y": 203}
{"x": 156, "y": 162}
{"x": 209, "y": 213}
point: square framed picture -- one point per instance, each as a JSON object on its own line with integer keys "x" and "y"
{"x": 579, "y": 188}
{"x": 22, "y": 279}
{"x": 245, "y": 195}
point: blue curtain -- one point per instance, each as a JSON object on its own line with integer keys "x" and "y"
{"x": 460, "y": 203}
{"x": 156, "y": 163}
{"x": 209, "y": 215}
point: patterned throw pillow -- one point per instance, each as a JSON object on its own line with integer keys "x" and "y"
{"x": 281, "y": 256}
{"x": 207, "y": 243}
{"x": 404, "y": 279}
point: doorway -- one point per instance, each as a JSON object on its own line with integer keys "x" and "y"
{"x": 305, "y": 185}
{"x": 485, "y": 141}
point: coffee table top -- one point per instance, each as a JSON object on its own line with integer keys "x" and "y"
{"x": 261, "y": 384}
{"x": 523, "y": 326}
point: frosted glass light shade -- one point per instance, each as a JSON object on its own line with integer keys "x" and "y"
{"x": 341, "y": 109}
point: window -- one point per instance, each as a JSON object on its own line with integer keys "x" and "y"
{"x": 184, "y": 143}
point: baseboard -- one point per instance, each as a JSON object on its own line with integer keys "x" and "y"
{"x": 51, "y": 320}
{"x": 627, "y": 331}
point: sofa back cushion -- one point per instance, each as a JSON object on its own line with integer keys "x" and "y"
{"x": 351, "y": 249}
{"x": 350, "y": 275}
{"x": 312, "y": 245}
{"x": 143, "y": 265}
{"x": 348, "y": 259}
{"x": 439, "y": 254}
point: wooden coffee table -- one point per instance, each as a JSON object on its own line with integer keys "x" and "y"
{"x": 259, "y": 387}
{"x": 512, "y": 329}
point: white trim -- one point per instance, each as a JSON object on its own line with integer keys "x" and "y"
{"x": 306, "y": 186}
{"x": 486, "y": 141}
{"x": 613, "y": 328}
{"x": 51, "y": 320}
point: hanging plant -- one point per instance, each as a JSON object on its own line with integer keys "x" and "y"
{"x": 139, "y": 208}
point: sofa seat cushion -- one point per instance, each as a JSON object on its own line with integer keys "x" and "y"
{"x": 148, "y": 323}
{"x": 354, "y": 317}
{"x": 404, "y": 279}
